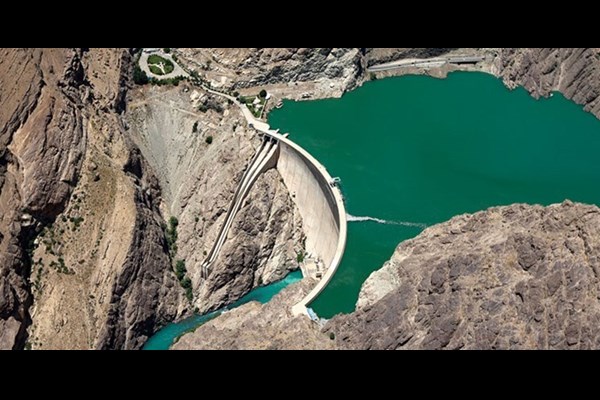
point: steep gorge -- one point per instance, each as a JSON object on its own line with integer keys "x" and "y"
{"x": 199, "y": 179}
{"x": 78, "y": 165}
{"x": 67, "y": 177}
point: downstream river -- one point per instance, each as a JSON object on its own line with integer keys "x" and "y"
{"x": 164, "y": 338}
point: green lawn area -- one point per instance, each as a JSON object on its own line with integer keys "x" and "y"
{"x": 155, "y": 70}
{"x": 249, "y": 101}
{"x": 155, "y": 60}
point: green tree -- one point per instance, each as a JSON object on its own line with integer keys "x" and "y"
{"x": 180, "y": 270}
{"x": 262, "y": 94}
{"x": 209, "y": 139}
{"x": 167, "y": 50}
{"x": 139, "y": 76}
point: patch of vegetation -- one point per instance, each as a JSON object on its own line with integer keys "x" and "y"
{"x": 60, "y": 267}
{"x": 139, "y": 76}
{"x": 263, "y": 94}
{"x": 30, "y": 248}
{"x": 211, "y": 104}
{"x": 331, "y": 335}
{"x": 49, "y": 239}
{"x": 255, "y": 109}
{"x": 157, "y": 61}
{"x": 171, "y": 81}
{"x": 167, "y": 50}
{"x": 209, "y": 139}
{"x": 76, "y": 222}
{"x": 180, "y": 270}
{"x": 37, "y": 283}
{"x": 184, "y": 280}
{"x": 171, "y": 234}
{"x": 373, "y": 76}
{"x": 300, "y": 257}
{"x": 195, "y": 127}
{"x": 155, "y": 70}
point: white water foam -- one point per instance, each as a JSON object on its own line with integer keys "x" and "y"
{"x": 352, "y": 218}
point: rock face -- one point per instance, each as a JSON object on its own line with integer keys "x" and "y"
{"x": 40, "y": 154}
{"x": 83, "y": 261}
{"x": 199, "y": 180}
{"x": 265, "y": 327}
{"x": 334, "y": 70}
{"x": 517, "y": 277}
{"x": 575, "y": 72}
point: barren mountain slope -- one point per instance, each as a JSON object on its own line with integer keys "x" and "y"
{"x": 70, "y": 174}
{"x": 199, "y": 180}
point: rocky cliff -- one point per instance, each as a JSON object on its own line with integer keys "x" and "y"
{"x": 266, "y": 327}
{"x": 315, "y": 72}
{"x": 199, "y": 179}
{"x": 515, "y": 277}
{"x": 80, "y": 234}
{"x": 575, "y": 72}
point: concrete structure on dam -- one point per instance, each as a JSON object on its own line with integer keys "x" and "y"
{"x": 322, "y": 209}
{"x": 312, "y": 189}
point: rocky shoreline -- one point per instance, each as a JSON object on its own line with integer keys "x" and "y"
{"x": 514, "y": 277}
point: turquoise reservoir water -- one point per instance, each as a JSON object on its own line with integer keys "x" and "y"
{"x": 164, "y": 338}
{"x": 414, "y": 151}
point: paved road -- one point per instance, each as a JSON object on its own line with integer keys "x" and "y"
{"x": 177, "y": 71}
{"x": 429, "y": 62}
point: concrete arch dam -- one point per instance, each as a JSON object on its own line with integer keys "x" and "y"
{"x": 314, "y": 192}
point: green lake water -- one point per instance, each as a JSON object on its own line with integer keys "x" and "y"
{"x": 164, "y": 338}
{"x": 414, "y": 151}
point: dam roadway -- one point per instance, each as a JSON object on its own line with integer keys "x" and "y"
{"x": 422, "y": 63}
{"x": 312, "y": 189}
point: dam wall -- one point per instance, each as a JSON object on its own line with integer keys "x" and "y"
{"x": 321, "y": 207}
